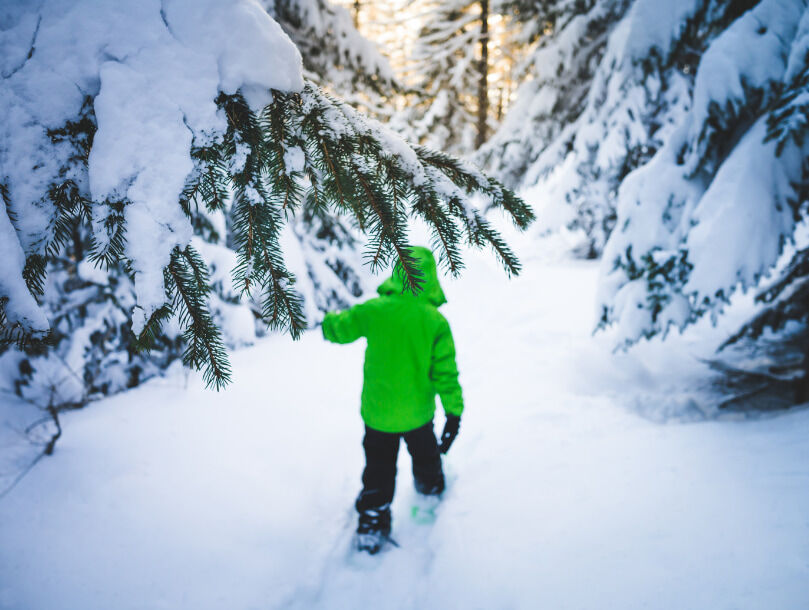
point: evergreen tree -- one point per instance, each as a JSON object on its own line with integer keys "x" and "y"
{"x": 256, "y": 148}
{"x": 774, "y": 345}
{"x": 676, "y": 131}
{"x": 335, "y": 55}
{"x": 89, "y": 349}
{"x": 785, "y": 299}
{"x": 612, "y": 80}
{"x": 569, "y": 38}
{"x": 451, "y": 63}
{"x": 712, "y": 210}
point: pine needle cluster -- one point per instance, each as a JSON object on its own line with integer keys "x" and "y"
{"x": 72, "y": 209}
{"x": 786, "y": 300}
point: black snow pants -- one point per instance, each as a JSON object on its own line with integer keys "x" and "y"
{"x": 379, "y": 476}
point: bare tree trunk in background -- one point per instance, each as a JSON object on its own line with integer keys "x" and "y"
{"x": 356, "y": 13}
{"x": 483, "y": 86}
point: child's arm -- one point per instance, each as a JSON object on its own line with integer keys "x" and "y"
{"x": 444, "y": 371}
{"x": 344, "y": 327}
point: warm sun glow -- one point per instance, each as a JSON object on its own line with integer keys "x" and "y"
{"x": 394, "y": 25}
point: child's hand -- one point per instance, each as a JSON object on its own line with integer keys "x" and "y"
{"x": 451, "y": 428}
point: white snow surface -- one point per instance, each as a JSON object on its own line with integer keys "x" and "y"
{"x": 153, "y": 70}
{"x": 581, "y": 479}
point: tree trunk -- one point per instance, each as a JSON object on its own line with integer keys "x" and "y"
{"x": 483, "y": 68}
{"x": 356, "y": 14}
{"x": 78, "y": 242}
{"x": 802, "y": 385}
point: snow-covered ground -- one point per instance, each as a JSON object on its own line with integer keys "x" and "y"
{"x": 581, "y": 479}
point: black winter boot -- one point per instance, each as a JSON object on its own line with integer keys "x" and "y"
{"x": 373, "y": 530}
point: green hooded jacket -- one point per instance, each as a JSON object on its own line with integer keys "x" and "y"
{"x": 410, "y": 354}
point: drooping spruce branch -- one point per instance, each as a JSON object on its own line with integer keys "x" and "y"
{"x": 437, "y": 186}
{"x": 311, "y": 149}
{"x": 304, "y": 153}
{"x": 784, "y": 301}
{"x": 187, "y": 287}
{"x": 71, "y": 208}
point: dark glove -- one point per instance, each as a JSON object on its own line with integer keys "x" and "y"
{"x": 451, "y": 427}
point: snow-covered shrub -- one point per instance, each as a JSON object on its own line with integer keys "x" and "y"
{"x": 90, "y": 351}
{"x": 145, "y": 123}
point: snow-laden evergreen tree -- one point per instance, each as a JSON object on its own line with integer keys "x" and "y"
{"x": 676, "y": 130}
{"x": 335, "y": 55}
{"x": 711, "y": 211}
{"x": 450, "y": 62}
{"x": 570, "y": 38}
{"x": 612, "y": 80}
{"x": 769, "y": 359}
{"x": 124, "y": 140}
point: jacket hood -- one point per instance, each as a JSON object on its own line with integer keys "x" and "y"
{"x": 431, "y": 289}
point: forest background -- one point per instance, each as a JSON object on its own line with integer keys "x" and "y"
{"x": 648, "y": 134}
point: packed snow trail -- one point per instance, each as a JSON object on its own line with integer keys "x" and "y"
{"x": 566, "y": 490}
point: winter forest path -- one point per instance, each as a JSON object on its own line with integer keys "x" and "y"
{"x": 564, "y": 495}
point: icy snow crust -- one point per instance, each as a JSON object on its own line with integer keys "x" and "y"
{"x": 153, "y": 70}
{"x": 560, "y": 497}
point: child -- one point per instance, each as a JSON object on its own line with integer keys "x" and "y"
{"x": 409, "y": 358}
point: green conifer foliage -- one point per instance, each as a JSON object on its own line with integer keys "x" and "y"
{"x": 786, "y": 299}
{"x": 305, "y": 154}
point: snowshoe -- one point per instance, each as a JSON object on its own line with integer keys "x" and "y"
{"x": 423, "y": 510}
{"x": 373, "y": 541}
{"x": 373, "y": 531}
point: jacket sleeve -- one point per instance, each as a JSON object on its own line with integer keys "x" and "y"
{"x": 344, "y": 327}
{"x": 444, "y": 371}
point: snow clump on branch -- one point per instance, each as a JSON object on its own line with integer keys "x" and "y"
{"x": 153, "y": 72}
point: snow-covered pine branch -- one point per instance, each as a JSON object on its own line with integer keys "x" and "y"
{"x": 151, "y": 119}
{"x": 711, "y": 211}
{"x": 335, "y": 55}
{"x": 786, "y": 300}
